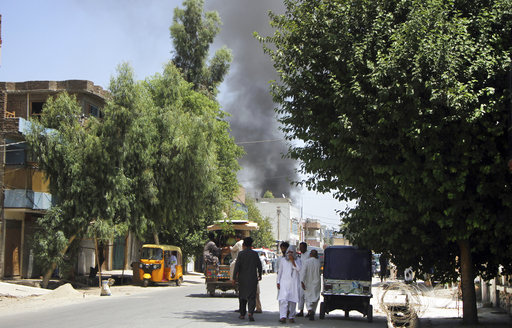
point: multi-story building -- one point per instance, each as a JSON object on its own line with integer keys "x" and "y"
{"x": 285, "y": 218}
{"x": 313, "y": 232}
{"x": 26, "y": 194}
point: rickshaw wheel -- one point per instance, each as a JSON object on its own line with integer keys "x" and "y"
{"x": 321, "y": 315}
{"x": 179, "y": 281}
{"x": 145, "y": 283}
{"x": 370, "y": 313}
{"x": 347, "y": 313}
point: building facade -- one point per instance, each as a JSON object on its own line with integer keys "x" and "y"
{"x": 313, "y": 234}
{"x": 26, "y": 195}
{"x": 284, "y": 217}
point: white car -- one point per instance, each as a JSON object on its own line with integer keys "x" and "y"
{"x": 265, "y": 257}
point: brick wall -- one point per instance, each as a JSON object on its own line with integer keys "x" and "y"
{"x": 14, "y": 97}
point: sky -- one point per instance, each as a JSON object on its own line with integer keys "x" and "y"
{"x": 87, "y": 40}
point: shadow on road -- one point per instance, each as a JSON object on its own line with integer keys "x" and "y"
{"x": 205, "y": 295}
{"x": 271, "y": 319}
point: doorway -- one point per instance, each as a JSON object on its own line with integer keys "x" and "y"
{"x": 12, "y": 258}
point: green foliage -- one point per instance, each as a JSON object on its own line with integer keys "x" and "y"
{"x": 151, "y": 165}
{"x": 404, "y": 106}
{"x": 268, "y": 194}
{"x": 192, "y": 33}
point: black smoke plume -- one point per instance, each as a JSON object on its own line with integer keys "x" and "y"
{"x": 245, "y": 95}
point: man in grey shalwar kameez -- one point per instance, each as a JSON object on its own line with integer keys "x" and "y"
{"x": 247, "y": 273}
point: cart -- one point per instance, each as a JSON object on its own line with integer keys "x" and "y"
{"x": 218, "y": 277}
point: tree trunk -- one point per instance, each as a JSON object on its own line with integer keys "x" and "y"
{"x": 469, "y": 310}
{"x": 97, "y": 260}
{"x": 155, "y": 236}
{"x": 48, "y": 274}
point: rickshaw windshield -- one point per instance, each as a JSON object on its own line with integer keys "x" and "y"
{"x": 151, "y": 254}
{"x": 347, "y": 264}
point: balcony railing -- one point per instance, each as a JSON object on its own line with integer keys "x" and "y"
{"x": 28, "y": 199}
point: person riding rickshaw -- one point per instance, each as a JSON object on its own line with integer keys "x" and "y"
{"x": 160, "y": 264}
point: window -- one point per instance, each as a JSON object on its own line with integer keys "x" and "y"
{"x": 14, "y": 152}
{"x": 95, "y": 111}
{"x": 37, "y": 107}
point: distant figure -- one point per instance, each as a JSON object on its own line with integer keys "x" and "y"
{"x": 174, "y": 263}
{"x": 211, "y": 252}
{"x": 383, "y": 261}
{"x": 311, "y": 282}
{"x": 288, "y": 282}
{"x": 283, "y": 247}
{"x": 235, "y": 249}
{"x": 264, "y": 262}
{"x": 247, "y": 273}
{"x": 304, "y": 255}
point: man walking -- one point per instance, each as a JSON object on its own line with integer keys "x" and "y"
{"x": 311, "y": 283}
{"x": 247, "y": 273}
{"x": 288, "y": 282}
{"x": 304, "y": 255}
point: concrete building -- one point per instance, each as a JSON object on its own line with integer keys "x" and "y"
{"x": 313, "y": 235}
{"x": 285, "y": 218}
{"x": 26, "y": 195}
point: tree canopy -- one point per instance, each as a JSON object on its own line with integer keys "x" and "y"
{"x": 404, "y": 106}
{"x": 192, "y": 33}
{"x": 150, "y": 164}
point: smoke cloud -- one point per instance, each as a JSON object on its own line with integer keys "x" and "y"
{"x": 245, "y": 95}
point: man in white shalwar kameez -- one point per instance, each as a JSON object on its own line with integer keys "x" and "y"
{"x": 288, "y": 284}
{"x": 235, "y": 249}
{"x": 304, "y": 255}
{"x": 311, "y": 282}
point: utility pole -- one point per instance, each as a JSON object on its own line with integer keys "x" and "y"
{"x": 278, "y": 219}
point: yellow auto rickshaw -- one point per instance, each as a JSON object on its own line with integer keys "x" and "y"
{"x": 160, "y": 264}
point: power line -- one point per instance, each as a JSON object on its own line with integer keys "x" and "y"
{"x": 257, "y": 141}
{"x": 269, "y": 178}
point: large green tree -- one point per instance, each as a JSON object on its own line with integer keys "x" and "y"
{"x": 149, "y": 165}
{"x": 404, "y": 106}
{"x": 192, "y": 33}
{"x": 194, "y": 148}
{"x": 69, "y": 151}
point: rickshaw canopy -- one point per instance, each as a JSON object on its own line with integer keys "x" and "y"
{"x": 347, "y": 263}
{"x": 163, "y": 247}
{"x": 235, "y": 224}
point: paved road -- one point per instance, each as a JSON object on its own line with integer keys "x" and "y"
{"x": 188, "y": 306}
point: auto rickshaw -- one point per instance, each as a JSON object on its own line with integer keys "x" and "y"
{"x": 347, "y": 281}
{"x": 155, "y": 264}
{"x": 218, "y": 277}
